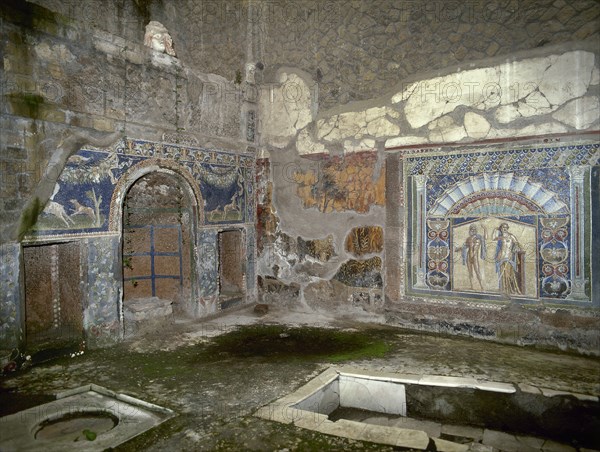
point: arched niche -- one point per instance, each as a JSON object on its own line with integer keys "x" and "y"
{"x": 156, "y": 209}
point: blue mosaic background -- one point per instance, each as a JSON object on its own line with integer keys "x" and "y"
{"x": 81, "y": 201}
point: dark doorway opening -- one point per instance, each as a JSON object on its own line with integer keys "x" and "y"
{"x": 232, "y": 277}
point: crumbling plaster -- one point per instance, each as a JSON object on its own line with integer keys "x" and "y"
{"x": 530, "y": 95}
{"x": 423, "y": 112}
{"x": 68, "y": 83}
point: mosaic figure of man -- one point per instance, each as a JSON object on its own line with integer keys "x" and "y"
{"x": 473, "y": 251}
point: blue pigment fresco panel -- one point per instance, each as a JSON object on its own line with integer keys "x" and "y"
{"x": 81, "y": 201}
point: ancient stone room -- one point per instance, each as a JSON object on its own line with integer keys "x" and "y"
{"x": 300, "y": 225}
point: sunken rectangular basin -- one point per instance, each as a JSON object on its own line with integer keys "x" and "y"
{"x": 414, "y": 411}
{"x": 86, "y": 418}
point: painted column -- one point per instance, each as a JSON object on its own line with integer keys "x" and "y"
{"x": 394, "y": 232}
{"x": 578, "y": 280}
{"x": 421, "y": 234}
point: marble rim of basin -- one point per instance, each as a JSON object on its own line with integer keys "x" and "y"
{"x": 18, "y": 431}
{"x": 309, "y": 406}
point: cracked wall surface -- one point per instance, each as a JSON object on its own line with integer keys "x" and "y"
{"x": 329, "y": 95}
{"x": 78, "y": 76}
{"x": 538, "y": 95}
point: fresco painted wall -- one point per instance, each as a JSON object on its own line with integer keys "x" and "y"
{"x": 344, "y": 183}
{"x": 86, "y": 206}
{"x": 501, "y": 224}
{"x": 335, "y": 260}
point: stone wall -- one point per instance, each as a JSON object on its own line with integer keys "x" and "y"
{"x": 538, "y": 111}
{"x": 76, "y": 81}
{"x": 356, "y": 50}
{"x": 353, "y": 50}
{"x": 62, "y": 77}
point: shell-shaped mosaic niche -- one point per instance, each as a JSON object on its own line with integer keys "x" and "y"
{"x": 497, "y": 194}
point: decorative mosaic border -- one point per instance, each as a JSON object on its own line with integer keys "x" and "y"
{"x": 493, "y": 160}
{"x": 84, "y": 202}
{"x": 436, "y": 182}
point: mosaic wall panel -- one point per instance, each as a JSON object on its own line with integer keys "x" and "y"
{"x": 81, "y": 200}
{"x": 498, "y": 224}
{"x": 101, "y": 313}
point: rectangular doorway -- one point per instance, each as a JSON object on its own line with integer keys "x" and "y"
{"x": 53, "y": 297}
{"x": 232, "y": 278}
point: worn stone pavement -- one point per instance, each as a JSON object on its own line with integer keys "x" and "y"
{"x": 215, "y": 400}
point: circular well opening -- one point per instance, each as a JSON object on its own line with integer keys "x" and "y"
{"x": 77, "y": 426}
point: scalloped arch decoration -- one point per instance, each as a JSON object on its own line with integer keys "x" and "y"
{"x": 497, "y": 194}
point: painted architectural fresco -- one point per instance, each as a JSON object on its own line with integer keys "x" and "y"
{"x": 508, "y": 223}
{"x": 81, "y": 200}
{"x": 353, "y": 182}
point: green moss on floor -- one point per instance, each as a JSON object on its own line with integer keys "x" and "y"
{"x": 277, "y": 342}
{"x": 215, "y": 384}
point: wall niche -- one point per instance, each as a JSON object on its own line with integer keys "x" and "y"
{"x": 157, "y": 243}
{"x": 232, "y": 274}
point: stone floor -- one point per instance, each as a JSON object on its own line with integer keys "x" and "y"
{"x": 215, "y": 398}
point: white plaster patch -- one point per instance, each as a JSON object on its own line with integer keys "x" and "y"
{"x": 476, "y": 125}
{"x": 405, "y": 93}
{"x": 568, "y": 77}
{"x": 580, "y": 113}
{"x": 374, "y": 113}
{"x": 518, "y": 79}
{"x": 381, "y": 127}
{"x": 507, "y": 113}
{"x": 405, "y": 141}
{"x": 286, "y": 108}
{"x": 345, "y": 125}
{"x": 445, "y": 130}
{"x": 306, "y": 145}
{"x": 558, "y": 78}
{"x": 368, "y": 144}
{"x": 535, "y": 104}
